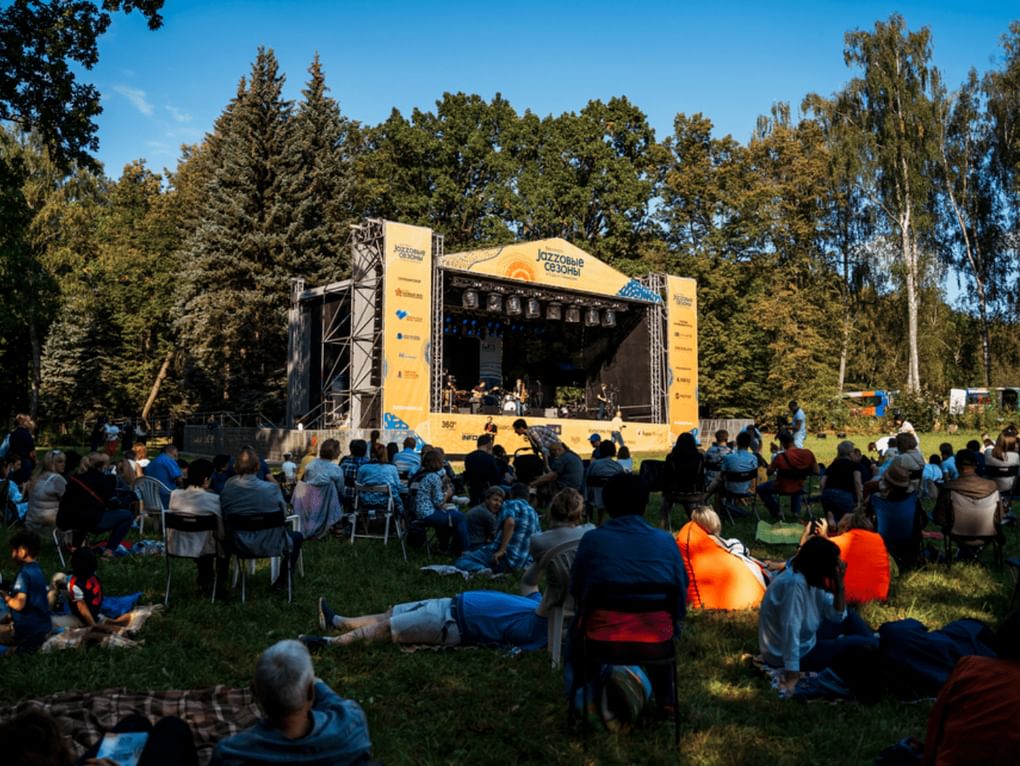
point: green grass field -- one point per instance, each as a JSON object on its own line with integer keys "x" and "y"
{"x": 477, "y": 706}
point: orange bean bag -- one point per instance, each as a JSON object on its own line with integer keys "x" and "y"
{"x": 716, "y": 578}
{"x": 867, "y": 565}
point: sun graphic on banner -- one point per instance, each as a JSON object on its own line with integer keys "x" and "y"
{"x": 520, "y": 270}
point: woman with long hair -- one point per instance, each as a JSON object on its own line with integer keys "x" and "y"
{"x": 684, "y": 481}
{"x": 804, "y": 624}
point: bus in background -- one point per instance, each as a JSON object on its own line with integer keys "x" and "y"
{"x": 972, "y": 399}
{"x": 873, "y": 404}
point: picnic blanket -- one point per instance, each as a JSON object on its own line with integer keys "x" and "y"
{"x": 781, "y": 533}
{"x": 122, "y": 637}
{"x": 213, "y": 713}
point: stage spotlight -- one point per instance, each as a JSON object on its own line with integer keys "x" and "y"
{"x": 591, "y": 317}
{"x": 513, "y": 305}
{"x": 494, "y": 302}
{"x": 554, "y": 311}
{"x": 469, "y": 299}
{"x": 533, "y": 308}
{"x": 609, "y": 318}
{"x": 573, "y": 314}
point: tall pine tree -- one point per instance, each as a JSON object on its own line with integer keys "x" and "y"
{"x": 318, "y": 157}
{"x": 235, "y": 288}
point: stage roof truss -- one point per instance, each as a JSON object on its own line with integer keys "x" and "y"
{"x": 657, "y": 361}
{"x": 367, "y": 255}
{"x": 544, "y": 294}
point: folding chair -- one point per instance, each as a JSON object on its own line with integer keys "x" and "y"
{"x": 366, "y": 510}
{"x": 557, "y": 603}
{"x": 789, "y": 474}
{"x": 974, "y": 524}
{"x": 149, "y": 492}
{"x": 257, "y": 522}
{"x": 897, "y": 525}
{"x": 62, "y": 540}
{"x": 729, "y": 501}
{"x": 590, "y": 654}
{"x": 1005, "y": 476}
{"x": 186, "y": 523}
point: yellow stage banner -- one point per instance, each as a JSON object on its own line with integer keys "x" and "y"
{"x": 553, "y": 263}
{"x": 407, "y": 325}
{"x": 682, "y": 354}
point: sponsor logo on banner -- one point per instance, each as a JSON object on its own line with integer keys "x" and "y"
{"x": 403, "y": 315}
{"x": 409, "y": 253}
{"x": 408, "y": 294}
{"x": 412, "y": 280}
{"x": 569, "y": 266}
{"x": 406, "y": 336}
{"x": 682, "y": 300}
{"x": 407, "y": 374}
{"x": 404, "y": 355}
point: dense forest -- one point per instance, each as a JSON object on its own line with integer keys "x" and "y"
{"x": 826, "y": 247}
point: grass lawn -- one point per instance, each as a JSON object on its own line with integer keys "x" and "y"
{"x": 477, "y": 706}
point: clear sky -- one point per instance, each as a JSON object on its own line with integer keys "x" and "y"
{"x": 728, "y": 60}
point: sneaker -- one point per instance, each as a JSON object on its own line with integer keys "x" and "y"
{"x": 313, "y": 642}
{"x": 326, "y": 615}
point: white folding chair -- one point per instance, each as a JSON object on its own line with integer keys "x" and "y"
{"x": 975, "y": 523}
{"x": 365, "y": 512}
{"x": 149, "y": 491}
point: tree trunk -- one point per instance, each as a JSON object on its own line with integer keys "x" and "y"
{"x": 35, "y": 344}
{"x": 154, "y": 392}
{"x": 910, "y": 263}
{"x": 986, "y": 336}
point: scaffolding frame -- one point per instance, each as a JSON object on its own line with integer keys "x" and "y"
{"x": 435, "y": 352}
{"x": 658, "y": 357}
{"x": 365, "y": 340}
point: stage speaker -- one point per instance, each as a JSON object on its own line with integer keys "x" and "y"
{"x": 464, "y": 410}
{"x": 490, "y": 409}
{"x": 552, "y": 412}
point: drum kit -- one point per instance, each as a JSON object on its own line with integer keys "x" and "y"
{"x": 506, "y": 401}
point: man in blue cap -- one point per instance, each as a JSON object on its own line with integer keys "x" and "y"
{"x": 596, "y": 440}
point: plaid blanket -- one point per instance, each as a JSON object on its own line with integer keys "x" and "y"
{"x": 213, "y": 714}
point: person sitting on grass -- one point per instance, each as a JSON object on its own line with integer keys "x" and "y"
{"x": 472, "y": 618}
{"x": 867, "y": 559}
{"x": 85, "y": 594}
{"x": 26, "y": 598}
{"x": 306, "y": 722}
{"x": 974, "y": 717}
{"x": 803, "y": 624}
{"x": 481, "y": 520}
{"x": 517, "y": 522}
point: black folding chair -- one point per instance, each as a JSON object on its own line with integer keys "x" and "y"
{"x": 186, "y": 522}
{"x": 258, "y": 522}
{"x": 589, "y": 654}
{"x": 729, "y": 501}
{"x": 790, "y": 474}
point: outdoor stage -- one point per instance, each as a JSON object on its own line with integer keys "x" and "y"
{"x": 544, "y": 325}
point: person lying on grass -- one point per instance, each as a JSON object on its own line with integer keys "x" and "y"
{"x": 478, "y": 617}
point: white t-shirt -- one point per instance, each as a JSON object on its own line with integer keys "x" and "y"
{"x": 111, "y": 432}
{"x": 289, "y": 469}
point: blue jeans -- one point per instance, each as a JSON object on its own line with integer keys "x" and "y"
{"x": 450, "y": 521}
{"x": 116, "y": 522}
{"x": 834, "y": 638}
{"x": 838, "y": 502}
{"x": 770, "y": 497}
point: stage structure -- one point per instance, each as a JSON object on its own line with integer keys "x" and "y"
{"x": 438, "y": 345}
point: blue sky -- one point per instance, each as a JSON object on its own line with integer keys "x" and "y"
{"x": 728, "y": 60}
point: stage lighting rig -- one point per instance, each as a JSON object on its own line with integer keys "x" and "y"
{"x": 591, "y": 317}
{"x": 573, "y": 314}
{"x": 513, "y": 305}
{"x": 469, "y": 299}
{"x": 554, "y": 311}
{"x": 494, "y": 302}
{"x": 533, "y": 308}
{"x": 609, "y": 318}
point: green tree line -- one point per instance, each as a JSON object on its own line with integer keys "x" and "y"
{"x": 822, "y": 246}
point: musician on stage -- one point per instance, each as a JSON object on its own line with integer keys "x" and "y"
{"x": 477, "y": 396}
{"x": 520, "y": 395}
{"x": 604, "y": 399}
